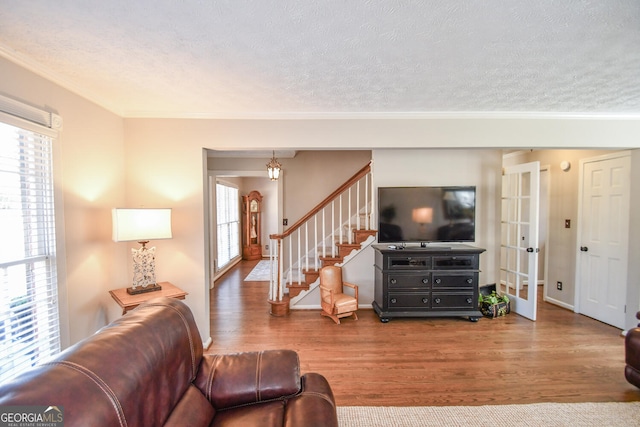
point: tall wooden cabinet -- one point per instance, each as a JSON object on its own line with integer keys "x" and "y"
{"x": 252, "y": 226}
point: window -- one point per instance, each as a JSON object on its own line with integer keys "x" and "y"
{"x": 228, "y": 227}
{"x": 29, "y": 323}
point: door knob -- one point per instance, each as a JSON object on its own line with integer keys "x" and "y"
{"x": 584, "y": 248}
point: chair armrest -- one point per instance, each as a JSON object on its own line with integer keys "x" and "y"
{"x": 323, "y": 292}
{"x": 230, "y": 380}
{"x": 352, "y": 286}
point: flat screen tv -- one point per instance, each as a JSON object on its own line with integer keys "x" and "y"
{"x": 426, "y": 214}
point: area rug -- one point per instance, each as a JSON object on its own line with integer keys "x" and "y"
{"x": 538, "y": 414}
{"x": 260, "y": 272}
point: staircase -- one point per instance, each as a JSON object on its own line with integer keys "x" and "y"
{"x": 327, "y": 235}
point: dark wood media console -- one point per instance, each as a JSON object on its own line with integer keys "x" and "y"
{"x": 434, "y": 281}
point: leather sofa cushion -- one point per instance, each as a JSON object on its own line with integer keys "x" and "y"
{"x": 267, "y": 414}
{"x": 235, "y": 379}
{"x": 193, "y": 410}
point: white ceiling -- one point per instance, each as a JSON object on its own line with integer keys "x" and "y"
{"x": 334, "y": 58}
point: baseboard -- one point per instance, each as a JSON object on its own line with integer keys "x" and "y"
{"x": 207, "y": 343}
{"x": 317, "y": 307}
{"x": 559, "y": 303}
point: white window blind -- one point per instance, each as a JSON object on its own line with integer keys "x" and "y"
{"x": 29, "y": 323}
{"x": 228, "y": 227}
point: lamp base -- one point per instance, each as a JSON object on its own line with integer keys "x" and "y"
{"x": 141, "y": 290}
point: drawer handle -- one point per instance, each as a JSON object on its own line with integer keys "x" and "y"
{"x": 393, "y": 281}
{"x": 469, "y": 281}
{"x": 425, "y": 300}
{"x": 425, "y": 280}
{"x": 437, "y": 300}
{"x": 393, "y": 300}
{"x": 438, "y": 281}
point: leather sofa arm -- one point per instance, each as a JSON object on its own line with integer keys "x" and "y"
{"x": 632, "y": 356}
{"x": 236, "y": 379}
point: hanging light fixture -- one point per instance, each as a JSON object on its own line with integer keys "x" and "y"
{"x": 274, "y": 167}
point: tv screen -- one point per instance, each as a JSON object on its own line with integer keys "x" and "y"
{"x": 426, "y": 214}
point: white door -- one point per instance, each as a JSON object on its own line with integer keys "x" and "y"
{"x": 519, "y": 237}
{"x": 603, "y": 238}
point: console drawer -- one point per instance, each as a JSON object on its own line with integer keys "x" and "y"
{"x": 448, "y": 301}
{"x": 409, "y": 281}
{"x": 409, "y": 262}
{"x": 455, "y": 280}
{"x": 455, "y": 262}
{"x": 414, "y": 300}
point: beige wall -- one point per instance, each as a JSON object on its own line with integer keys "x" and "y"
{"x": 90, "y": 154}
{"x": 326, "y": 169}
{"x": 479, "y": 167}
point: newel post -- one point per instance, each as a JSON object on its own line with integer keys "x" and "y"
{"x": 278, "y": 301}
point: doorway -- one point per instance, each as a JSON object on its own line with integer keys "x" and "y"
{"x": 245, "y": 180}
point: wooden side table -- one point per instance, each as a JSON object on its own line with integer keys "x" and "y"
{"x": 129, "y": 302}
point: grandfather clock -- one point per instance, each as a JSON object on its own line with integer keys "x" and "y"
{"x": 251, "y": 227}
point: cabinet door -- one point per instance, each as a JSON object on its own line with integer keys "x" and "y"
{"x": 457, "y": 262}
{"x": 409, "y": 262}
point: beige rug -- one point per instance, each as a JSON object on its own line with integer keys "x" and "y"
{"x": 539, "y": 414}
{"x": 260, "y": 272}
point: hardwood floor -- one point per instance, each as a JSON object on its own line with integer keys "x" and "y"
{"x": 563, "y": 357}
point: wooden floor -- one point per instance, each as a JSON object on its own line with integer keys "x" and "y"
{"x": 563, "y": 357}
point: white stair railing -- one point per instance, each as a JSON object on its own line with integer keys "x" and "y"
{"x": 295, "y": 252}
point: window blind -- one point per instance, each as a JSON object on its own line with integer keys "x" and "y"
{"x": 29, "y": 322}
{"x": 228, "y": 224}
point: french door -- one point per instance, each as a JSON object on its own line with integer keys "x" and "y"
{"x": 519, "y": 237}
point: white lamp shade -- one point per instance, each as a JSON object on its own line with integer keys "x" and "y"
{"x": 141, "y": 224}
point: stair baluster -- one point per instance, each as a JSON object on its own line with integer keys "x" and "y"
{"x": 298, "y": 258}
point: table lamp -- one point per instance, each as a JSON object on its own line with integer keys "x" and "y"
{"x": 142, "y": 225}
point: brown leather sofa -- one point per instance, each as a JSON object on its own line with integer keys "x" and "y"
{"x": 632, "y": 355}
{"x": 148, "y": 369}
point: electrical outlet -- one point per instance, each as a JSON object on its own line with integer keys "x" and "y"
{"x": 266, "y": 247}
{"x": 567, "y": 223}
{"x": 559, "y": 286}
{"x": 285, "y": 221}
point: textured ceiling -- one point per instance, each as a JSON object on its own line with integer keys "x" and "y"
{"x": 316, "y": 58}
